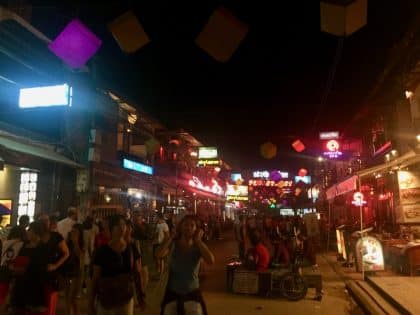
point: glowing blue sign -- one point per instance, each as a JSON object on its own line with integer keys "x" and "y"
{"x": 45, "y": 96}
{"x": 236, "y": 176}
{"x": 305, "y": 179}
{"x": 138, "y": 167}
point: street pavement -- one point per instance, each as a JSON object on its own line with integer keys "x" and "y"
{"x": 220, "y": 302}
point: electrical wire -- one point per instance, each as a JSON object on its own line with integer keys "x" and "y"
{"x": 330, "y": 81}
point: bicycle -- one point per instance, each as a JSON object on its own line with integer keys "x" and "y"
{"x": 293, "y": 286}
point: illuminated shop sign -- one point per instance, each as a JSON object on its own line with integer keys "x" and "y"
{"x": 237, "y": 192}
{"x": 305, "y": 179}
{"x": 333, "y": 149}
{"x": 358, "y": 199}
{"x": 270, "y": 183}
{"x": 45, "y": 96}
{"x": 235, "y": 177}
{"x": 27, "y": 194}
{"x": 206, "y": 162}
{"x": 372, "y": 254}
{"x": 138, "y": 167}
{"x": 207, "y": 153}
{"x": 329, "y": 135}
{"x": 214, "y": 188}
{"x": 268, "y": 174}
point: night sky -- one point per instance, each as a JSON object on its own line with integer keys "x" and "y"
{"x": 270, "y": 90}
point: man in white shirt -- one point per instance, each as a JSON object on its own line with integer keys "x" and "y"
{"x": 162, "y": 233}
{"x": 64, "y": 226}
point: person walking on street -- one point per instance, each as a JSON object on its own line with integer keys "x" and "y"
{"x": 57, "y": 254}
{"x": 138, "y": 283}
{"x": 144, "y": 244}
{"x": 240, "y": 235}
{"x": 162, "y": 233}
{"x": 112, "y": 290}
{"x": 64, "y": 226}
{"x": 186, "y": 250}
{"x": 72, "y": 268}
{"x": 27, "y": 295}
{"x": 22, "y": 226}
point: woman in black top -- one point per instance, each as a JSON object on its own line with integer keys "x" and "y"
{"x": 57, "y": 254}
{"x": 138, "y": 265}
{"x": 30, "y": 268}
{"x": 72, "y": 268}
{"x": 113, "y": 266}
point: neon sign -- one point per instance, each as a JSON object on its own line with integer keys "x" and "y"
{"x": 207, "y": 153}
{"x": 206, "y": 162}
{"x": 358, "y": 199}
{"x": 267, "y": 174}
{"x": 237, "y": 192}
{"x": 329, "y": 135}
{"x": 138, "y": 167}
{"x": 215, "y": 188}
{"x": 333, "y": 149}
{"x": 305, "y": 179}
{"x": 270, "y": 183}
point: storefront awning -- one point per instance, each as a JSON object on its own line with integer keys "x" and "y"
{"x": 350, "y": 184}
{"x": 38, "y": 151}
{"x": 407, "y": 159}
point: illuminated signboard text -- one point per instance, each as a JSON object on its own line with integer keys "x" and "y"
{"x": 138, "y": 167}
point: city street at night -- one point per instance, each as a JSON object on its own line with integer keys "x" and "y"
{"x": 335, "y": 300}
{"x": 214, "y": 157}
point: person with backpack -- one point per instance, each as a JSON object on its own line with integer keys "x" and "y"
{"x": 112, "y": 289}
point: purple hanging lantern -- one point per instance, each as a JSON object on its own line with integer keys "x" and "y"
{"x": 75, "y": 45}
{"x": 276, "y": 176}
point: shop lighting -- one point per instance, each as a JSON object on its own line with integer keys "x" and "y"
{"x": 320, "y": 159}
{"x": 408, "y": 94}
{"x": 132, "y": 118}
{"x": 107, "y": 198}
{"x": 418, "y": 138}
{"x": 45, "y": 96}
{"x": 394, "y": 152}
{"x": 216, "y": 189}
{"x": 27, "y": 194}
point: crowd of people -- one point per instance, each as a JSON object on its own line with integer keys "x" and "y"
{"x": 265, "y": 241}
{"x": 109, "y": 260}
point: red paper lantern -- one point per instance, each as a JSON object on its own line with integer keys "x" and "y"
{"x": 298, "y": 146}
